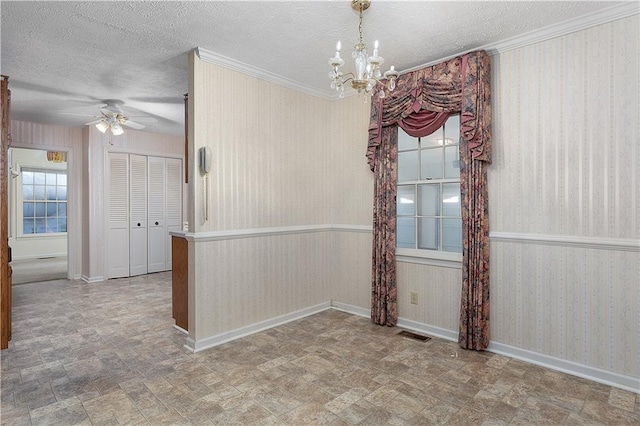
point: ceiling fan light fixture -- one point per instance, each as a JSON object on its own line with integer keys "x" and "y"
{"x": 116, "y": 129}
{"x": 102, "y": 126}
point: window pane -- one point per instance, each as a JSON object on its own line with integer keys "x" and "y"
{"x": 41, "y": 226}
{"x": 407, "y": 166}
{"x": 28, "y": 209}
{"x": 27, "y": 177}
{"x": 62, "y": 193}
{"x": 38, "y": 192}
{"x": 452, "y": 129}
{"x": 452, "y": 235}
{"x": 62, "y": 224}
{"x": 51, "y": 192}
{"x": 432, "y": 139}
{"x": 51, "y": 178}
{"x": 431, "y": 164}
{"x": 28, "y": 226}
{"x": 52, "y": 209}
{"x": 451, "y": 162}
{"x": 39, "y": 178}
{"x": 27, "y": 192}
{"x": 41, "y": 209}
{"x": 451, "y": 199}
{"x": 405, "y": 141}
{"x": 406, "y": 201}
{"x": 62, "y": 179}
{"x": 62, "y": 209}
{"x": 406, "y": 232}
{"x": 428, "y": 233}
{"x": 52, "y": 225}
{"x": 429, "y": 199}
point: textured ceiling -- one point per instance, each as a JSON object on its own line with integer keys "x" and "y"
{"x": 66, "y": 58}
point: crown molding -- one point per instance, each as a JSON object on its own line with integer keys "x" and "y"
{"x": 580, "y": 23}
{"x": 226, "y": 62}
{"x": 599, "y": 17}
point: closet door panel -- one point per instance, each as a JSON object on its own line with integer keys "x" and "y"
{"x": 118, "y": 222}
{"x": 173, "y": 202}
{"x": 138, "y": 215}
{"x": 157, "y": 236}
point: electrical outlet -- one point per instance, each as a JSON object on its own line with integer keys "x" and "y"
{"x": 414, "y": 298}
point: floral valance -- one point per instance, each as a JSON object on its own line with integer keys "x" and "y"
{"x": 424, "y": 99}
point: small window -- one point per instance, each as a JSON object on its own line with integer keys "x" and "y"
{"x": 44, "y": 201}
{"x": 428, "y": 191}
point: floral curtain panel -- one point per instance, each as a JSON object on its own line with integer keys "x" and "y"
{"x": 421, "y": 103}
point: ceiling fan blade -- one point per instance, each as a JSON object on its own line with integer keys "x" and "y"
{"x": 133, "y": 125}
{"x": 143, "y": 119}
{"x": 78, "y": 115}
{"x": 92, "y": 122}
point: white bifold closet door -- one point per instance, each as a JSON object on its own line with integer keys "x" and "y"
{"x": 157, "y": 239}
{"x": 138, "y": 215}
{"x": 145, "y": 204}
{"x": 118, "y": 222}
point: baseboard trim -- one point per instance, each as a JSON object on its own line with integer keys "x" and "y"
{"x": 91, "y": 280}
{"x": 575, "y": 369}
{"x": 219, "y": 339}
{"x": 180, "y": 329}
{"x": 351, "y": 309}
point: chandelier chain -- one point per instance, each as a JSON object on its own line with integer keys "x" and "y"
{"x": 360, "y": 27}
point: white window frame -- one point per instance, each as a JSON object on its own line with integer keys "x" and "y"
{"x": 20, "y": 209}
{"x": 425, "y": 256}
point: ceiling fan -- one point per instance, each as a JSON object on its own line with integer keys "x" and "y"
{"x": 113, "y": 118}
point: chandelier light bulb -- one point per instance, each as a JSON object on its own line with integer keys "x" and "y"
{"x": 367, "y": 73}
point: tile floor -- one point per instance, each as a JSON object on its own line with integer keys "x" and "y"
{"x": 107, "y": 354}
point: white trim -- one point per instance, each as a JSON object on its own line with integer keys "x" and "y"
{"x": 265, "y": 232}
{"x": 421, "y": 260}
{"x": 620, "y": 244}
{"x": 407, "y": 324}
{"x": 367, "y": 229}
{"x": 429, "y": 330}
{"x": 91, "y": 280}
{"x": 547, "y": 33}
{"x": 40, "y": 256}
{"x": 232, "y": 64}
{"x": 219, "y": 339}
{"x": 180, "y": 329}
{"x": 591, "y": 373}
{"x": 76, "y": 277}
{"x": 351, "y": 309}
{"x": 536, "y": 36}
{"x": 580, "y": 23}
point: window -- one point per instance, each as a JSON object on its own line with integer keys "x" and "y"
{"x": 428, "y": 191}
{"x": 44, "y": 201}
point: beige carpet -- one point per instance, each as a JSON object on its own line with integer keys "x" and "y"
{"x": 34, "y": 270}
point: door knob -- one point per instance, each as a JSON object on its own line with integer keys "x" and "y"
{"x": 156, "y": 223}
{"x": 138, "y": 224}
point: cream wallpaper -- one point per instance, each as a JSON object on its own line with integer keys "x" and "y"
{"x": 43, "y": 136}
{"x": 565, "y": 166}
{"x": 565, "y": 169}
{"x": 271, "y": 152}
{"x": 270, "y": 169}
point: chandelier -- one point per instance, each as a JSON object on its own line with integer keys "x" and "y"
{"x": 368, "y": 73}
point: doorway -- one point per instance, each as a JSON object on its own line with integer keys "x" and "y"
{"x": 38, "y": 206}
